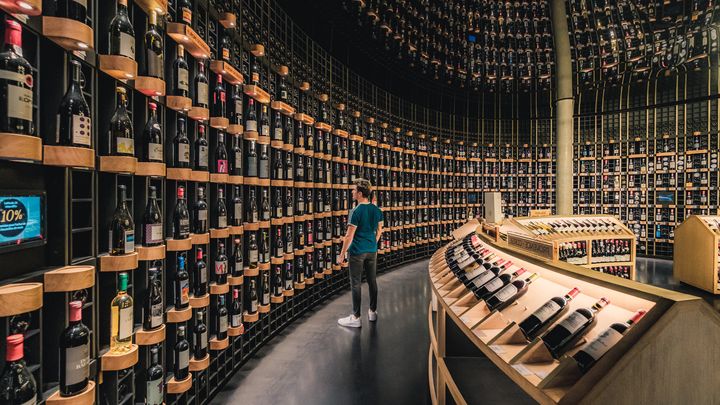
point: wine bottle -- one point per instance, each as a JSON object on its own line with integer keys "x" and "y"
{"x": 251, "y": 117}
{"x": 184, "y": 9}
{"x": 153, "y": 136}
{"x": 263, "y": 248}
{"x": 537, "y": 322}
{"x": 201, "y": 86}
{"x": 265, "y": 300}
{"x": 201, "y": 150}
{"x": 153, "y": 310}
{"x": 563, "y": 336}
{"x": 221, "y": 325}
{"x": 122, "y": 227}
{"x": 218, "y": 105}
{"x": 265, "y": 205}
{"x": 492, "y": 286}
{"x": 201, "y": 276}
{"x": 181, "y": 355}
{"x": 74, "y": 126}
{"x": 221, "y": 265}
{"x": 17, "y": 384}
{"x": 121, "y": 128}
{"x": 289, "y": 276}
{"x": 221, "y": 210}
{"x": 225, "y": 44}
{"x": 253, "y": 297}
{"x": 252, "y": 208}
{"x": 155, "y": 384}
{"x": 181, "y": 217}
{"x": 154, "y": 49}
{"x": 182, "y": 285}
{"x": 277, "y": 203}
{"x": 277, "y": 283}
{"x": 237, "y": 218}
{"x": 72, "y": 9}
{"x": 252, "y": 159}
{"x": 121, "y": 318}
{"x": 200, "y": 213}
{"x": 74, "y": 353}
{"x": 264, "y": 121}
{"x": 200, "y": 336}
{"x": 236, "y": 310}
{"x": 181, "y": 146}
{"x": 277, "y": 133}
{"x": 181, "y": 77}
{"x": 279, "y": 245}
{"x": 237, "y": 268}
{"x": 253, "y": 254}
{"x": 589, "y": 354}
{"x": 236, "y": 158}
{"x": 510, "y": 293}
{"x": 122, "y": 34}
{"x": 152, "y": 221}
{"x": 264, "y": 162}
{"x": 221, "y": 155}
{"x": 235, "y": 106}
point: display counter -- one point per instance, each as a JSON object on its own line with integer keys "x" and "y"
{"x": 695, "y": 260}
{"x": 644, "y": 344}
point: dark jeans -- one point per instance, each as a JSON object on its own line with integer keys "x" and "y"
{"x": 367, "y": 261}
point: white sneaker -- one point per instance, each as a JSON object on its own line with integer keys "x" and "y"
{"x": 372, "y": 315}
{"x": 350, "y": 321}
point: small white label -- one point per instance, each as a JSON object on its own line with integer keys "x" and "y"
{"x": 494, "y": 284}
{"x": 19, "y": 102}
{"x": 183, "y": 82}
{"x": 222, "y": 221}
{"x": 223, "y": 324}
{"x": 125, "y": 327}
{"x": 203, "y": 340}
{"x": 574, "y": 322}
{"x": 237, "y": 210}
{"x": 236, "y": 320}
{"x": 154, "y": 392}
{"x": 127, "y": 45}
{"x": 546, "y": 311}
{"x": 221, "y": 267}
{"x": 202, "y": 215}
{"x": 602, "y": 343}
{"x": 265, "y": 130}
{"x": 253, "y": 306}
{"x": 278, "y": 134}
{"x": 483, "y": 278}
{"x": 506, "y": 293}
{"x": 183, "y": 153}
{"x": 155, "y": 151}
{"x": 156, "y": 315}
{"x": 253, "y": 255}
{"x": 184, "y": 359}
{"x": 129, "y": 241}
{"x": 125, "y": 146}
{"x": 203, "y": 155}
{"x": 202, "y": 93}
{"x": 81, "y": 130}
{"x": 251, "y": 125}
{"x": 77, "y": 366}
{"x": 203, "y": 275}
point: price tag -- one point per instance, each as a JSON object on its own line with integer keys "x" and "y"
{"x": 524, "y": 371}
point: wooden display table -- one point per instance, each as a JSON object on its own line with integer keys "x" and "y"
{"x": 695, "y": 258}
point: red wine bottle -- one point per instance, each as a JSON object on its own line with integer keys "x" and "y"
{"x": 152, "y": 225}
{"x": 181, "y": 74}
{"x": 494, "y": 285}
{"x": 252, "y": 297}
{"x": 155, "y": 382}
{"x": 218, "y": 105}
{"x": 200, "y": 336}
{"x": 72, "y": 9}
{"x": 220, "y": 210}
{"x": 236, "y": 157}
{"x": 221, "y": 265}
{"x": 181, "y": 217}
{"x": 17, "y": 384}
{"x": 589, "y": 354}
{"x": 485, "y": 275}
{"x": 181, "y": 146}
{"x": 236, "y": 309}
{"x": 122, "y": 34}
{"x": 221, "y": 155}
{"x": 200, "y": 213}
{"x": 201, "y": 276}
{"x": 122, "y": 227}
{"x": 201, "y": 150}
{"x": 201, "y": 86}
{"x": 153, "y": 136}
{"x": 16, "y": 84}
{"x": 221, "y": 319}
{"x": 510, "y": 293}
{"x": 153, "y": 309}
{"x": 237, "y": 258}
{"x": 563, "y": 336}
{"x": 154, "y": 49}
{"x": 251, "y": 168}
{"x": 251, "y": 117}
{"x": 74, "y": 354}
{"x": 73, "y": 116}
{"x": 237, "y": 205}
{"x": 181, "y": 355}
{"x": 537, "y": 322}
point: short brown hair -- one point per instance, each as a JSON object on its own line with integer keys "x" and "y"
{"x": 364, "y": 187}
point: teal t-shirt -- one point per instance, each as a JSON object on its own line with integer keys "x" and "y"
{"x": 366, "y": 218}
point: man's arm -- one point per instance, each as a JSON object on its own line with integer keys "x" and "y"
{"x": 347, "y": 241}
{"x": 379, "y": 231}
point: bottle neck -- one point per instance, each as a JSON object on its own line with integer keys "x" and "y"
{"x": 13, "y": 38}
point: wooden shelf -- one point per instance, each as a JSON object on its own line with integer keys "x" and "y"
{"x": 117, "y": 164}
{"x": 200, "y": 238}
{"x": 236, "y": 280}
{"x": 119, "y": 361}
{"x": 20, "y": 147}
{"x": 178, "y": 316}
{"x": 200, "y": 365}
{"x": 284, "y": 108}
{"x": 219, "y": 289}
{"x": 149, "y": 86}
{"x": 216, "y": 344}
{"x": 183, "y": 34}
{"x": 219, "y": 122}
{"x": 119, "y": 67}
{"x": 256, "y": 92}
{"x": 26, "y": 7}
{"x": 199, "y": 176}
{"x": 258, "y": 50}
{"x": 306, "y": 119}
{"x": 150, "y": 169}
{"x": 250, "y": 318}
{"x": 200, "y": 302}
{"x": 19, "y": 298}
{"x": 178, "y": 245}
{"x": 277, "y": 300}
{"x": 150, "y": 252}
{"x": 264, "y": 309}
{"x": 219, "y": 178}
{"x": 228, "y": 72}
{"x": 67, "y": 156}
{"x": 158, "y": 6}
{"x": 236, "y": 331}
{"x": 299, "y": 286}
{"x": 219, "y": 233}
{"x": 695, "y": 257}
{"x": 69, "y": 278}
{"x": 68, "y": 33}
{"x": 118, "y": 263}
{"x": 228, "y": 20}
{"x": 87, "y": 397}
{"x": 288, "y": 293}
{"x": 178, "y": 103}
{"x": 199, "y": 113}
{"x": 235, "y": 129}
{"x": 176, "y": 387}
{"x": 150, "y": 337}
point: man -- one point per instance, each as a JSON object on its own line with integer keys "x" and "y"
{"x": 364, "y": 230}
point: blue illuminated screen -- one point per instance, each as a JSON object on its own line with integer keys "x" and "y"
{"x": 21, "y": 219}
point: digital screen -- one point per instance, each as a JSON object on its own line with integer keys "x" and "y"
{"x": 22, "y": 219}
{"x": 472, "y": 198}
{"x": 665, "y": 197}
{"x": 471, "y": 38}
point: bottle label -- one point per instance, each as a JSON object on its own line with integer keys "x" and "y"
{"x": 238, "y": 161}
{"x": 202, "y": 275}
{"x": 254, "y": 216}
{"x": 574, "y": 322}
{"x": 187, "y": 15}
{"x": 494, "y": 284}
{"x": 236, "y": 320}
{"x": 237, "y": 214}
{"x": 125, "y": 327}
{"x": 81, "y": 130}
{"x": 203, "y": 156}
{"x": 202, "y": 93}
{"x": 184, "y": 227}
{"x": 154, "y": 392}
{"x": 156, "y": 315}
{"x": 129, "y": 241}
{"x": 203, "y": 340}
{"x": 183, "y": 153}
{"x": 154, "y": 60}
{"x": 155, "y": 151}
{"x": 77, "y": 368}
{"x": 265, "y": 130}
{"x": 252, "y": 166}
{"x": 253, "y": 306}
{"x": 226, "y": 53}
{"x": 184, "y": 359}
{"x": 222, "y": 221}
{"x": 223, "y": 324}
{"x": 222, "y": 166}
{"x": 546, "y": 311}
{"x": 127, "y": 45}
{"x": 153, "y": 233}
{"x": 221, "y": 267}
{"x": 278, "y": 134}
{"x": 251, "y": 125}
{"x": 183, "y": 81}
{"x": 202, "y": 215}
{"x": 266, "y": 297}
{"x": 125, "y": 146}
{"x": 184, "y": 291}
{"x": 253, "y": 256}
{"x": 598, "y": 347}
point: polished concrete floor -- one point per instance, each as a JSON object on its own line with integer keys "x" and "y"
{"x": 317, "y": 362}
